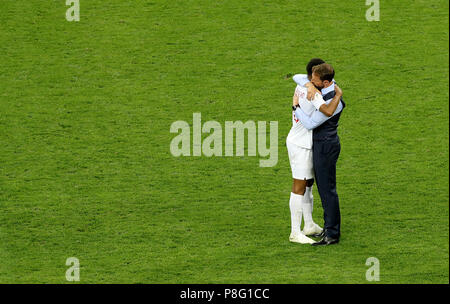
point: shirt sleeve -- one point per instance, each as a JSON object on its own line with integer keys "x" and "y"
{"x": 316, "y": 119}
{"x": 318, "y": 101}
{"x": 301, "y": 79}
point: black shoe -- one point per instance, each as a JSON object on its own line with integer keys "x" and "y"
{"x": 326, "y": 240}
{"x": 318, "y": 235}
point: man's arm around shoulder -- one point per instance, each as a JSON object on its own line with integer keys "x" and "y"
{"x": 329, "y": 109}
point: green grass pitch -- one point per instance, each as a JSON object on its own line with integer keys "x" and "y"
{"x": 85, "y": 163}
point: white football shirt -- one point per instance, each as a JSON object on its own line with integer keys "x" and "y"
{"x": 299, "y": 135}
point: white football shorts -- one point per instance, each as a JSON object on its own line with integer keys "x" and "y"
{"x": 301, "y": 160}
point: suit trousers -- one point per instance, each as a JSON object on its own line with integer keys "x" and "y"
{"x": 325, "y": 156}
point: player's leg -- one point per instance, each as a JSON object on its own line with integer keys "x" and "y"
{"x": 295, "y": 205}
{"x": 309, "y": 185}
{"x": 299, "y": 186}
{"x": 310, "y": 227}
{"x": 297, "y": 197}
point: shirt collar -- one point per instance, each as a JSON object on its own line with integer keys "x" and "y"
{"x": 328, "y": 89}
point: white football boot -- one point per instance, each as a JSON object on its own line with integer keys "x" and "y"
{"x": 312, "y": 229}
{"x": 300, "y": 238}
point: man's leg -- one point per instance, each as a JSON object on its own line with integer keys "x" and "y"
{"x": 308, "y": 192}
{"x": 307, "y": 204}
{"x": 310, "y": 227}
{"x": 299, "y": 174}
{"x": 295, "y": 205}
{"x": 325, "y": 158}
{"x": 299, "y": 186}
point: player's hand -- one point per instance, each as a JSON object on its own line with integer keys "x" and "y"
{"x": 338, "y": 90}
{"x": 295, "y": 99}
{"x": 312, "y": 91}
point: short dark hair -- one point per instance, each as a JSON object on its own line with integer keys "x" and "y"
{"x": 312, "y": 63}
{"x": 325, "y": 71}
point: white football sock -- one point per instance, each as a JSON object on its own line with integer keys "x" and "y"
{"x": 309, "y": 196}
{"x": 307, "y": 207}
{"x": 295, "y": 204}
